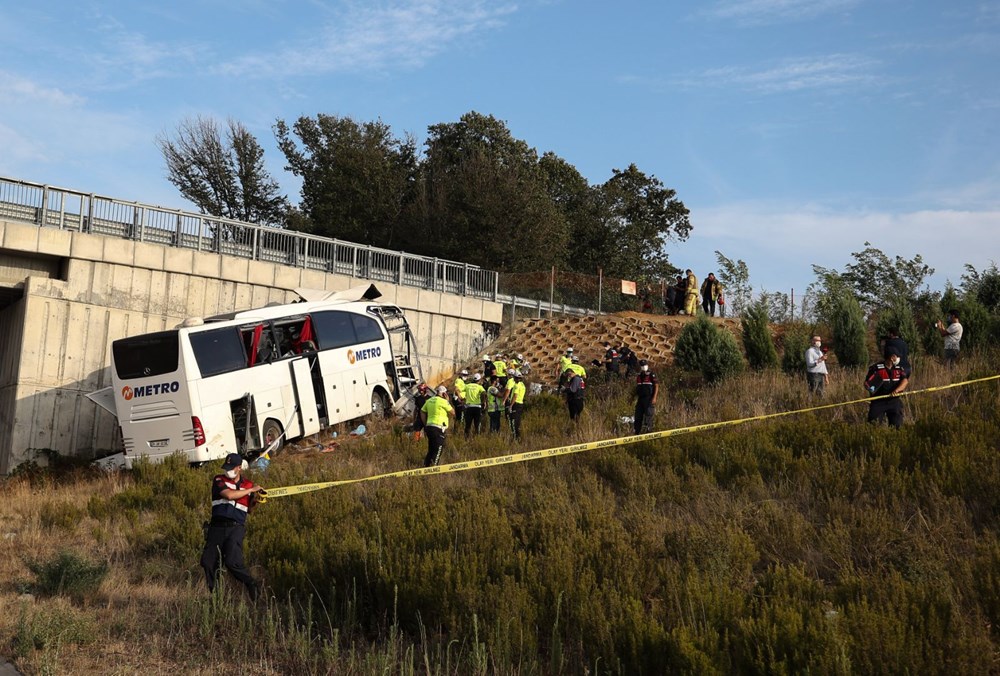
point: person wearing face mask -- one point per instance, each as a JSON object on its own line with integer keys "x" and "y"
{"x": 232, "y": 498}
{"x": 646, "y": 388}
{"x": 816, "y": 374}
{"x": 886, "y": 377}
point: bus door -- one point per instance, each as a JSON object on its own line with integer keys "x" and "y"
{"x": 334, "y": 391}
{"x": 305, "y": 395}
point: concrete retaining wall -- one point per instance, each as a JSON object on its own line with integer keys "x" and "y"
{"x": 56, "y": 341}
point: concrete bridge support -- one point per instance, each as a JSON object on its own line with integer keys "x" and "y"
{"x": 65, "y": 296}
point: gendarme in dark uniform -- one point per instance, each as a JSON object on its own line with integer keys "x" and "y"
{"x": 646, "y": 388}
{"x": 231, "y": 502}
{"x": 886, "y": 377}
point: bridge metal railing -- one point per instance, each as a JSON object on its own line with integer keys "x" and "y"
{"x": 48, "y": 206}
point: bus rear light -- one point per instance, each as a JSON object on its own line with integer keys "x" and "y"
{"x": 199, "y": 431}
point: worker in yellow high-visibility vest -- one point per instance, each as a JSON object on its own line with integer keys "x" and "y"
{"x": 565, "y": 360}
{"x": 517, "y": 404}
{"x": 435, "y": 414}
{"x": 458, "y": 396}
{"x": 475, "y": 402}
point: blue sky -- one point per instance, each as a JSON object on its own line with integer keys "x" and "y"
{"x": 794, "y": 130}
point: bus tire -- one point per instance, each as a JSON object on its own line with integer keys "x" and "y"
{"x": 380, "y": 404}
{"x": 273, "y": 429}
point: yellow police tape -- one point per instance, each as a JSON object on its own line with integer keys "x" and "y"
{"x": 579, "y": 448}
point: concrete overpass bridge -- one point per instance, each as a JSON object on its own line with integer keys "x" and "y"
{"x": 78, "y": 271}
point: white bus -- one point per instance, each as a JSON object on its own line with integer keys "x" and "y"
{"x": 242, "y": 381}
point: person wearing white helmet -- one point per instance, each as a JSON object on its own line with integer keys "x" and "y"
{"x": 435, "y": 413}
{"x": 475, "y": 402}
{"x": 488, "y": 368}
{"x": 565, "y": 360}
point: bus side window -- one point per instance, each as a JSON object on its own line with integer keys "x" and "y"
{"x": 367, "y": 329}
{"x": 333, "y": 329}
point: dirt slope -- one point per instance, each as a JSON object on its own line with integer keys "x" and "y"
{"x": 542, "y": 341}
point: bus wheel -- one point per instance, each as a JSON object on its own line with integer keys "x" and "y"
{"x": 380, "y": 404}
{"x": 270, "y": 432}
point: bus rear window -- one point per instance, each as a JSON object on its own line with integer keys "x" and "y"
{"x": 218, "y": 351}
{"x": 153, "y": 354}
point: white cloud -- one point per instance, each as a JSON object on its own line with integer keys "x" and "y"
{"x": 400, "y": 33}
{"x": 834, "y": 71}
{"x": 125, "y": 57}
{"x": 770, "y": 11}
{"x": 15, "y": 88}
{"x": 780, "y": 242}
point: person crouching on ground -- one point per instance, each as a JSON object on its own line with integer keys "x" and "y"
{"x": 435, "y": 413}
{"x": 231, "y": 502}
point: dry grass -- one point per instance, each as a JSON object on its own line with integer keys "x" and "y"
{"x": 152, "y": 614}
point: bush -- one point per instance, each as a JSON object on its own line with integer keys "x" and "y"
{"x": 847, "y": 321}
{"x": 757, "y": 337}
{"x": 703, "y": 346}
{"x": 67, "y": 574}
{"x": 898, "y": 316}
{"x": 797, "y": 338}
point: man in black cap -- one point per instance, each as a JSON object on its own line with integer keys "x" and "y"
{"x": 232, "y": 498}
{"x": 886, "y": 379}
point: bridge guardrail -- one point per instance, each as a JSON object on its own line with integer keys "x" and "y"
{"x": 49, "y": 206}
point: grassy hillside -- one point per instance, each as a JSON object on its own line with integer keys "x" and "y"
{"x": 816, "y": 543}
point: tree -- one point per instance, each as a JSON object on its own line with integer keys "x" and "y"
{"x": 795, "y": 342}
{"x": 222, "y": 171}
{"x": 757, "y": 340}
{"x": 643, "y": 216}
{"x": 703, "y": 346}
{"x": 877, "y": 280}
{"x": 484, "y": 198}
{"x": 589, "y": 237}
{"x": 847, "y": 322}
{"x": 983, "y": 286}
{"x": 357, "y": 178}
{"x": 735, "y": 279}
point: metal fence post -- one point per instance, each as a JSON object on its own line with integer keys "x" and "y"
{"x": 496, "y": 285}
{"x": 45, "y": 205}
{"x": 465, "y": 280}
{"x": 402, "y": 265}
{"x": 90, "y": 215}
{"x": 178, "y": 229}
{"x": 62, "y": 210}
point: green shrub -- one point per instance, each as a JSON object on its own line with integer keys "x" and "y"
{"x": 847, "y": 321}
{"x": 67, "y": 574}
{"x": 60, "y": 515}
{"x": 703, "y": 346}
{"x": 50, "y": 628}
{"x": 898, "y": 316}
{"x": 797, "y": 338}
{"x": 757, "y": 339}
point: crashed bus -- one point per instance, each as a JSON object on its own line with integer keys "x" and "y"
{"x": 248, "y": 381}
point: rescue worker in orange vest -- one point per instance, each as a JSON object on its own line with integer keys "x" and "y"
{"x": 435, "y": 414}
{"x": 232, "y": 499}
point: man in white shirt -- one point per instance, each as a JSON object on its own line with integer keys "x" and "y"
{"x": 816, "y": 374}
{"x": 952, "y": 337}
